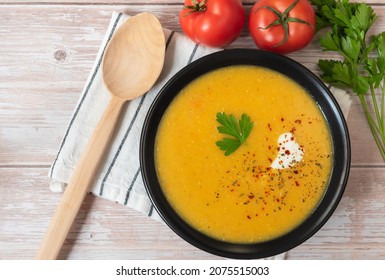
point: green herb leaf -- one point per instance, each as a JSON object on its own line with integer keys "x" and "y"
{"x": 330, "y": 42}
{"x": 351, "y": 48}
{"x": 381, "y": 45}
{"x": 335, "y": 72}
{"x": 361, "y": 85}
{"x": 238, "y": 130}
{"x": 245, "y": 125}
{"x": 342, "y": 15}
{"x": 229, "y": 145}
{"x": 363, "y": 17}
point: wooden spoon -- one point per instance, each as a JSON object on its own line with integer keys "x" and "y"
{"x": 132, "y": 63}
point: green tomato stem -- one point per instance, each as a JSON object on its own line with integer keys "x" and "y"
{"x": 196, "y": 7}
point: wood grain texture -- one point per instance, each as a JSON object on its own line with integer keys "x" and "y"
{"x": 46, "y": 52}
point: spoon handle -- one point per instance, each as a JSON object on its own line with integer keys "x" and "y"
{"x": 80, "y": 182}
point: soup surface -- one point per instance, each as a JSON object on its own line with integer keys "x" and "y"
{"x": 267, "y": 186}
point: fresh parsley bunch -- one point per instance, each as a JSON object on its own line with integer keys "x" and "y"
{"x": 362, "y": 64}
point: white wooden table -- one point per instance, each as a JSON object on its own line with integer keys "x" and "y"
{"x": 47, "y": 49}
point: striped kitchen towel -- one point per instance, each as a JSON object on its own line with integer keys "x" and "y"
{"x": 119, "y": 178}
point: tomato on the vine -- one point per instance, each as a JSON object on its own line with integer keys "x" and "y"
{"x": 213, "y": 23}
{"x": 282, "y": 26}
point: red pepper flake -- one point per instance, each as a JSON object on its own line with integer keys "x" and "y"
{"x": 251, "y": 196}
{"x": 295, "y": 171}
{"x": 248, "y": 216}
{"x": 269, "y": 126}
{"x": 282, "y": 119}
{"x": 298, "y": 121}
{"x": 296, "y": 183}
{"x": 287, "y": 152}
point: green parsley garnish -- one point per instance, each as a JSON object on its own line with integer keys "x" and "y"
{"x": 239, "y": 130}
{"x": 361, "y": 66}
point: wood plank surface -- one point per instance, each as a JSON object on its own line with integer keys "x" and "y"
{"x": 47, "y": 49}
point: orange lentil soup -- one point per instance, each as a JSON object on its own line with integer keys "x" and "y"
{"x": 252, "y": 195}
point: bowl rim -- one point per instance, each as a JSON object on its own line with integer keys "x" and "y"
{"x": 332, "y": 114}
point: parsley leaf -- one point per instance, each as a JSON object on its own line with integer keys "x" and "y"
{"x": 239, "y": 130}
{"x": 229, "y": 145}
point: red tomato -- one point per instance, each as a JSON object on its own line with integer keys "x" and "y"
{"x": 214, "y": 23}
{"x": 282, "y": 26}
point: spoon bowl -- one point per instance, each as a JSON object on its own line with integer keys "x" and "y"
{"x": 132, "y": 63}
{"x": 131, "y": 67}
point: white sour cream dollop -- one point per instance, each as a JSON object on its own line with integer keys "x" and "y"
{"x": 289, "y": 152}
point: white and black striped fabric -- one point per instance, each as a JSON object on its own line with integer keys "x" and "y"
{"x": 119, "y": 179}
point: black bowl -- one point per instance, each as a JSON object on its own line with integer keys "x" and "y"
{"x": 332, "y": 114}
